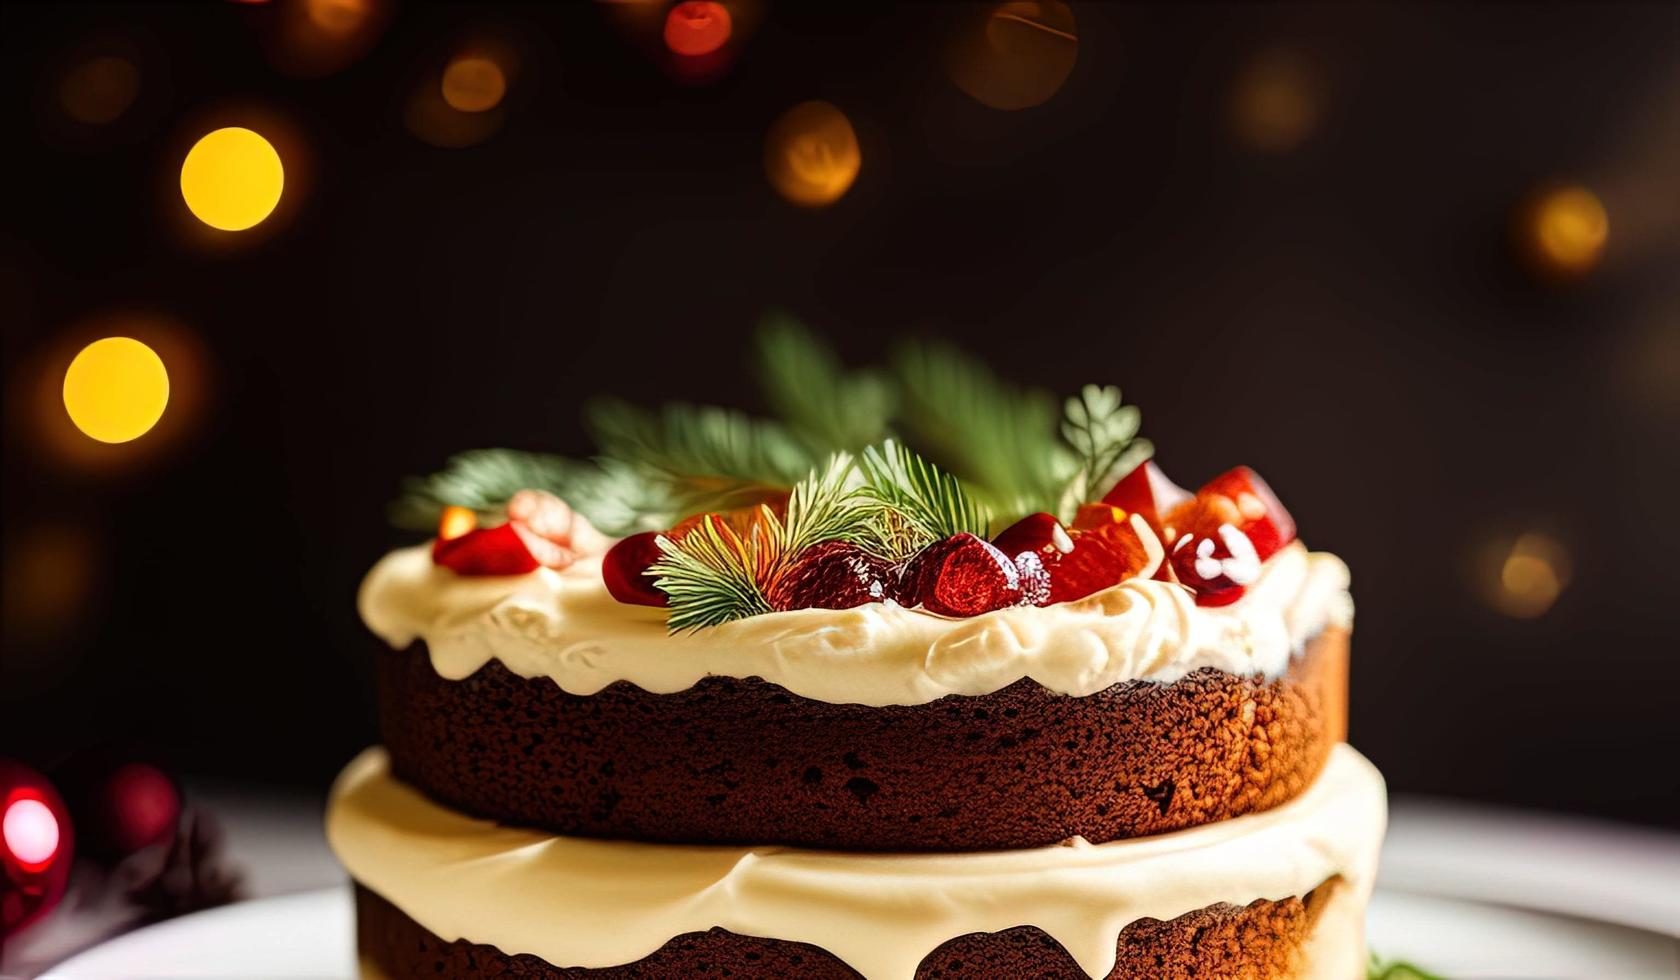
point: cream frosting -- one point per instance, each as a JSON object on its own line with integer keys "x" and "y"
{"x": 585, "y": 902}
{"x": 565, "y": 626}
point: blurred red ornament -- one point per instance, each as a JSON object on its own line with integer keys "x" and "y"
{"x": 697, "y": 27}
{"x": 36, "y": 844}
{"x": 141, "y": 806}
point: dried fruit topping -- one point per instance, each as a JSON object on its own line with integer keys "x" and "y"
{"x": 963, "y": 576}
{"x": 499, "y": 550}
{"x": 553, "y": 520}
{"x": 832, "y": 575}
{"x": 1148, "y": 492}
{"x": 1234, "y": 525}
{"x": 1037, "y": 588}
{"x": 1240, "y": 498}
{"x": 456, "y": 521}
{"x": 1217, "y": 567}
{"x": 624, "y": 570}
{"x": 1101, "y": 549}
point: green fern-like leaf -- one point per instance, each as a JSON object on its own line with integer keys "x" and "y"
{"x": 1103, "y": 433}
{"x": 701, "y": 458}
{"x": 710, "y": 577}
{"x": 912, "y": 502}
{"x": 998, "y": 438}
{"x": 828, "y": 407}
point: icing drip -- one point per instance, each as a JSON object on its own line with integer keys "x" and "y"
{"x": 563, "y": 625}
{"x": 594, "y": 903}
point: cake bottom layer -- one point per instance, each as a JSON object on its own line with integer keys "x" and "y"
{"x": 1261, "y": 941}
{"x": 1285, "y": 888}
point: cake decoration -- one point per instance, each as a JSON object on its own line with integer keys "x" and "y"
{"x": 828, "y": 507}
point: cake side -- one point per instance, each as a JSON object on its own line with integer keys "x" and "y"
{"x": 462, "y": 879}
{"x": 744, "y": 761}
{"x": 1264, "y": 940}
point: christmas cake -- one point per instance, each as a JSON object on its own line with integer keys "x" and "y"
{"x": 915, "y": 680}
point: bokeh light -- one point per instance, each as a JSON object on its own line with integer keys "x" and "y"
{"x": 695, "y": 28}
{"x": 1277, "y": 101}
{"x": 116, "y": 389}
{"x": 318, "y": 37}
{"x": 811, "y": 155}
{"x": 100, "y": 89}
{"x": 1563, "y": 231}
{"x": 1014, "y": 55}
{"x": 232, "y": 178}
{"x": 473, "y": 83}
{"x": 30, "y": 831}
{"x": 1523, "y": 577}
{"x": 48, "y": 582}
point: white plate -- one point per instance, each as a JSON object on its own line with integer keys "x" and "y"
{"x": 312, "y": 935}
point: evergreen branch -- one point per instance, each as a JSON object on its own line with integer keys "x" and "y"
{"x": 999, "y": 439}
{"x": 614, "y": 499}
{"x": 824, "y": 404}
{"x": 709, "y": 576}
{"x": 822, "y": 508}
{"x": 1103, "y": 432}
{"x": 702, "y": 458}
{"x": 900, "y": 486}
{"x": 1379, "y": 969}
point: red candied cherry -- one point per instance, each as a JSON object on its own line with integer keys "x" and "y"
{"x": 500, "y": 550}
{"x": 1100, "y": 550}
{"x": 832, "y": 575}
{"x": 624, "y": 569}
{"x": 963, "y": 576}
{"x": 1240, "y": 498}
{"x": 1148, "y": 492}
{"x": 1217, "y": 567}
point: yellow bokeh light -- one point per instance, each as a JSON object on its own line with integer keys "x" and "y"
{"x": 811, "y": 155}
{"x": 473, "y": 84}
{"x": 1566, "y": 230}
{"x": 99, "y": 89}
{"x": 116, "y": 389}
{"x": 1532, "y": 572}
{"x": 1015, "y": 55}
{"x": 232, "y": 178}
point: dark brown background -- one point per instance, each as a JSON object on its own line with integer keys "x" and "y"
{"x": 1346, "y": 317}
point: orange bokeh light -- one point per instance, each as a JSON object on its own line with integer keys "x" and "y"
{"x": 100, "y": 89}
{"x": 1563, "y": 231}
{"x": 811, "y": 155}
{"x": 1015, "y": 55}
{"x": 695, "y": 28}
{"x": 473, "y": 83}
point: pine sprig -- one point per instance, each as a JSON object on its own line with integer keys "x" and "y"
{"x": 998, "y": 438}
{"x": 701, "y": 458}
{"x": 1380, "y": 969}
{"x": 822, "y": 507}
{"x": 711, "y": 576}
{"x": 828, "y": 407}
{"x": 928, "y": 504}
{"x": 483, "y": 480}
{"x": 1103, "y": 433}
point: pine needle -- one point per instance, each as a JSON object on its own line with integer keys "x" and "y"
{"x": 828, "y": 407}
{"x": 709, "y": 576}
{"x": 931, "y": 504}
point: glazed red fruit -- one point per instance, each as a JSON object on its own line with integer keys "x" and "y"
{"x": 1148, "y": 492}
{"x": 1235, "y": 524}
{"x": 1099, "y": 551}
{"x": 832, "y": 575}
{"x": 486, "y": 551}
{"x": 624, "y": 569}
{"x": 963, "y": 576}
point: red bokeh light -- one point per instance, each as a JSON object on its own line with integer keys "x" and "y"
{"x": 30, "y": 831}
{"x": 697, "y": 27}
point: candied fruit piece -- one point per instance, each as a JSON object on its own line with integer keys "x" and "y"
{"x": 963, "y": 576}
{"x": 624, "y": 569}
{"x": 832, "y": 575}
{"x": 499, "y": 550}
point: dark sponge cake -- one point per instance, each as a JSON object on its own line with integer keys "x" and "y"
{"x": 1262, "y": 940}
{"x": 744, "y": 761}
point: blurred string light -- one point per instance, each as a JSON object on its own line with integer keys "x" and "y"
{"x": 473, "y": 83}
{"x": 116, "y": 389}
{"x": 1278, "y": 100}
{"x": 1523, "y": 577}
{"x": 318, "y": 37}
{"x": 811, "y": 154}
{"x": 49, "y": 574}
{"x": 99, "y": 89}
{"x": 232, "y": 178}
{"x": 1014, "y": 55}
{"x": 48, "y": 402}
{"x": 1562, "y": 231}
{"x": 695, "y": 28}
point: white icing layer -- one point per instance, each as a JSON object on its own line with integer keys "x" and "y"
{"x": 584, "y": 902}
{"x": 563, "y": 625}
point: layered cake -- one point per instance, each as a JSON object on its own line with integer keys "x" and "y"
{"x": 751, "y": 697}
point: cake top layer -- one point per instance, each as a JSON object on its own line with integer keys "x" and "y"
{"x": 566, "y": 626}
{"x": 463, "y": 878}
{"x": 1013, "y": 541}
